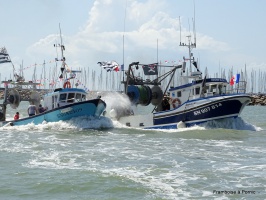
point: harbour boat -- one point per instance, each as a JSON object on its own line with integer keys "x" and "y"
{"x": 60, "y": 104}
{"x": 198, "y": 99}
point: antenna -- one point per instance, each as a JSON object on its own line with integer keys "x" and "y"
{"x": 61, "y": 44}
{"x": 180, "y": 30}
{"x": 194, "y": 25}
{"x": 157, "y": 54}
{"x": 190, "y": 44}
{"x": 124, "y": 40}
{"x": 188, "y": 26}
{"x": 62, "y": 54}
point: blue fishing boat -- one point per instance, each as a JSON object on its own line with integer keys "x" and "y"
{"x": 196, "y": 100}
{"x": 60, "y": 104}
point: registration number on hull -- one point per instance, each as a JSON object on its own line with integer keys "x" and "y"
{"x": 69, "y": 112}
{"x": 207, "y": 109}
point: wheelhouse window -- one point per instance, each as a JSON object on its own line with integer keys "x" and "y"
{"x": 179, "y": 94}
{"x": 78, "y": 97}
{"x": 205, "y": 89}
{"x": 213, "y": 88}
{"x": 54, "y": 101}
{"x": 197, "y": 90}
{"x": 222, "y": 89}
{"x": 62, "y": 97}
{"x": 70, "y": 98}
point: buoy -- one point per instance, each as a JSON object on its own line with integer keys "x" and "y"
{"x": 181, "y": 124}
{"x": 67, "y": 85}
{"x": 174, "y": 102}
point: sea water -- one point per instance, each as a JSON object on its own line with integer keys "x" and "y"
{"x": 101, "y": 159}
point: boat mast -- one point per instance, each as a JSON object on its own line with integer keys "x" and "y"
{"x": 62, "y": 47}
{"x": 123, "y": 69}
{"x": 190, "y": 46}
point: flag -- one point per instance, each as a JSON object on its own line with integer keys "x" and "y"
{"x": 3, "y": 51}
{"x": 116, "y": 68}
{"x": 232, "y": 81}
{"x": 150, "y": 69}
{"x": 109, "y": 66}
{"x": 235, "y": 79}
{"x": 4, "y": 57}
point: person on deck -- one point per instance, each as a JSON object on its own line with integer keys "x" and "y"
{"x": 32, "y": 110}
{"x": 165, "y": 103}
{"x": 42, "y": 109}
{"x": 16, "y": 116}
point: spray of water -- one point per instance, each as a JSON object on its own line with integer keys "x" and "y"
{"x": 118, "y": 105}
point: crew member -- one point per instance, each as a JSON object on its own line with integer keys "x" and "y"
{"x": 32, "y": 110}
{"x": 42, "y": 109}
{"x": 16, "y": 116}
{"x": 165, "y": 103}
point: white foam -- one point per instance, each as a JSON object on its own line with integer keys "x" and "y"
{"x": 157, "y": 184}
{"x": 53, "y": 160}
{"x": 75, "y": 123}
{"x": 231, "y": 123}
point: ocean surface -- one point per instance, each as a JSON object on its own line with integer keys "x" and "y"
{"x": 101, "y": 159}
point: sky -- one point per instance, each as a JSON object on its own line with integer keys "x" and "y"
{"x": 229, "y": 34}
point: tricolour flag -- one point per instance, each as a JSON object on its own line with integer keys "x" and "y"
{"x": 235, "y": 79}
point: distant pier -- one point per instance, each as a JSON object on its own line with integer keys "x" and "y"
{"x": 258, "y": 99}
{"x": 25, "y": 93}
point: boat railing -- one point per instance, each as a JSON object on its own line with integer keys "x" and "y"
{"x": 209, "y": 94}
{"x": 236, "y": 91}
{"x": 237, "y": 88}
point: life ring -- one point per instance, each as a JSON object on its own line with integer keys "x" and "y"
{"x": 67, "y": 84}
{"x": 174, "y": 102}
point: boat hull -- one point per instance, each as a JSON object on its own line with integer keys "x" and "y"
{"x": 193, "y": 112}
{"x": 94, "y": 108}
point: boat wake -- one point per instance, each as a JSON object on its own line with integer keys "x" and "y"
{"x": 232, "y": 123}
{"x": 78, "y": 123}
